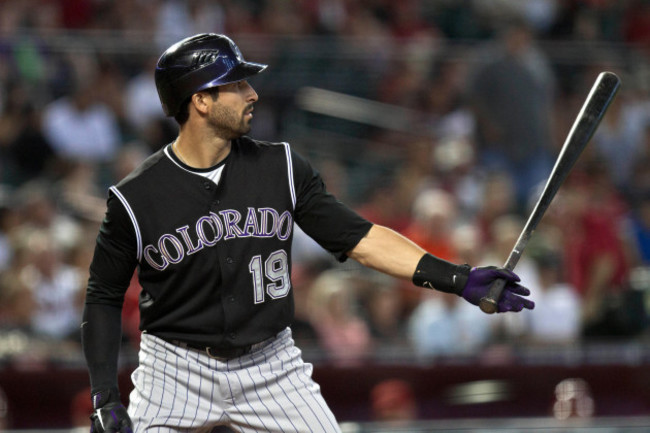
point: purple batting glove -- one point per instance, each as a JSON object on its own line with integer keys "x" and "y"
{"x": 480, "y": 279}
{"x": 110, "y": 415}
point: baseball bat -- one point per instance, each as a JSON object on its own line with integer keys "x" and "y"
{"x": 600, "y": 97}
{"x": 357, "y": 109}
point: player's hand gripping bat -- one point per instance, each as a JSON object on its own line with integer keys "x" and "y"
{"x": 600, "y": 97}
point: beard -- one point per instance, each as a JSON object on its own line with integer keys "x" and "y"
{"x": 228, "y": 123}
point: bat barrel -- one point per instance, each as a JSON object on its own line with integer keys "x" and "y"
{"x": 600, "y": 97}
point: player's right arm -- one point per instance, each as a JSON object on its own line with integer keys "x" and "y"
{"x": 111, "y": 270}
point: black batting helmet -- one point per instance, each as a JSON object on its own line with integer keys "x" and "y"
{"x": 198, "y": 63}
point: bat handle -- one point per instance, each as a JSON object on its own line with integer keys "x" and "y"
{"x": 489, "y": 302}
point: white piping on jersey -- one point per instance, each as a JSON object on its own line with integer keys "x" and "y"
{"x": 213, "y": 175}
{"x": 292, "y": 188}
{"x": 166, "y": 150}
{"x": 136, "y": 227}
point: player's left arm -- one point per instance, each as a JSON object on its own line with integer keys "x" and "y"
{"x": 342, "y": 232}
{"x": 389, "y": 252}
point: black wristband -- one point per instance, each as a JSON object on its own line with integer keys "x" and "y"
{"x": 441, "y": 275}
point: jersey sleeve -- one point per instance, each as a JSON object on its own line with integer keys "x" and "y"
{"x": 115, "y": 257}
{"x": 332, "y": 224}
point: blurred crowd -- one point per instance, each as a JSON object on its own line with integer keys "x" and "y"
{"x": 491, "y": 88}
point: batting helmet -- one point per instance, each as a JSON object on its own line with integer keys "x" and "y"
{"x": 198, "y": 63}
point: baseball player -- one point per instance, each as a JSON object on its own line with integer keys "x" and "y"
{"x": 208, "y": 223}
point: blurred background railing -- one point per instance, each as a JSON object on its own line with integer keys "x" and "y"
{"x": 439, "y": 119}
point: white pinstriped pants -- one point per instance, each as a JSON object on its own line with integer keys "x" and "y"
{"x": 179, "y": 390}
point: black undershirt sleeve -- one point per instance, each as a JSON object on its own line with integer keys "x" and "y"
{"x": 101, "y": 334}
{"x": 115, "y": 257}
{"x": 111, "y": 270}
{"x": 332, "y": 224}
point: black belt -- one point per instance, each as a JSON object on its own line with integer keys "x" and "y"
{"x": 221, "y": 352}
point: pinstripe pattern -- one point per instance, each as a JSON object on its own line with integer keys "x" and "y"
{"x": 269, "y": 390}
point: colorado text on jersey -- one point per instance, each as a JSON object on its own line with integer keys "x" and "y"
{"x": 214, "y": 227}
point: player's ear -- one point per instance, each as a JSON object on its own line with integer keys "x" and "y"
{"x": 201, "y": 102}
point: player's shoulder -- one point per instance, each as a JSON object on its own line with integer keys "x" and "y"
{"x": 146, "y": 169}
{"x": 246, "y": 144}
{"x": 253, "y": 149}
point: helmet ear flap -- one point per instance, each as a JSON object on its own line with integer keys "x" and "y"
{"x": 197, "y": 63}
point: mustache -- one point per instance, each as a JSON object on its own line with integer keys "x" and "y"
{"x": 249, "y": 108}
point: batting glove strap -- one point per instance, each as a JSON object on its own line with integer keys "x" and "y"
{"x": 110, "y": 415}
{"x": 112, "y": 418}
{"x": 441, "y": 275}
{"x": 103, "y": 396}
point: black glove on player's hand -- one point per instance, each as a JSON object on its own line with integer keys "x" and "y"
{"x": 110, "y": 415}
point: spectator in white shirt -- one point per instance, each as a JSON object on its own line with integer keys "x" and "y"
{"x": 80, "y": 127}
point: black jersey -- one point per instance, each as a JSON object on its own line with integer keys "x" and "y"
{"x": 213, "y": 259}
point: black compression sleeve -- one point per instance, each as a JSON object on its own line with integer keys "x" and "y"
{"x": 114, "y": 259}
{"x": 101, "y": 334}
{"x": 435, "y": 273}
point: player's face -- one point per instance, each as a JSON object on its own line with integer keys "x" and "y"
{"x": 231, "y": 113}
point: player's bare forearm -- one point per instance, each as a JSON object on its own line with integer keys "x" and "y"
{"x": 389, "y": 252}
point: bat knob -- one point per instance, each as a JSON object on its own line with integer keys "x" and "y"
{"x": 487, "y": 305}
